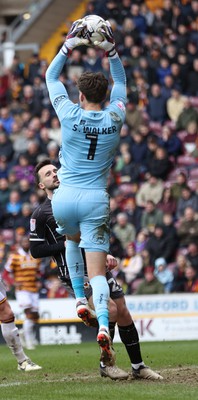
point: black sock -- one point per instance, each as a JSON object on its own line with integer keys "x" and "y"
{"x": 112, "y": 329}
{"x": 130, "y": 338}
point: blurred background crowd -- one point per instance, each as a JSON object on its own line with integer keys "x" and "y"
{"x": 153, "y": 184}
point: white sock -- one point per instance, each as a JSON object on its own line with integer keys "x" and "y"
{"x": 136, "y": 366}
{"x": 28, "y": 328}
{"x": 11, "y": 335}
{"x": 82, "y": 300}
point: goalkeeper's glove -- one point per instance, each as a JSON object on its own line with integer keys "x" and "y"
{"x": 73, "y": 38}
{"x": 108, "y": 43}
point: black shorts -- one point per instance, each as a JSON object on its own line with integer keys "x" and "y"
{"x": 116, "y": 291}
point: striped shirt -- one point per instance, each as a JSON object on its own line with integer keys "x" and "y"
{"x": 25, "y": 270}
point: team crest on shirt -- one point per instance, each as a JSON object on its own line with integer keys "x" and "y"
{"x": 121, "y": 105}
{"x": 32, "y": 224}
{"x": 115, "y": 117}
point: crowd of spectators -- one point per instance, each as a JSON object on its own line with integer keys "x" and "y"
{"x": 153, "y": 184}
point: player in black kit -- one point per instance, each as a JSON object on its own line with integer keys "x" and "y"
{"x": 45, "y": 241}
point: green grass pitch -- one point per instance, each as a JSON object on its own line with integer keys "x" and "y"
{"x": 71, "y": 372}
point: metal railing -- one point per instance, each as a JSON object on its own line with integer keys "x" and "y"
{"x": 23, "y": 21}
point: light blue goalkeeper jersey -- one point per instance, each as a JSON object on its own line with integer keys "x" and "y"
{"x": 89, "y": 138}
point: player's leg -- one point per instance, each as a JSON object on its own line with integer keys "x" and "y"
{"x": 29, "y": 329}
{"x": 76, "y": 268}
{"x": 130, "y": 338}
{"x": 94, "y": 228}
{"x": 11, "y": 335}
{"x": 96, "y": 267}
{"x": 29, "y": 301}
{"x": 65, "y": 205}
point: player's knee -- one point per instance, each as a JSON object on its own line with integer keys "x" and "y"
{"x": 35, "y": 316}
{"x": 6, "y": 313}
{"x": 123, "y": 314}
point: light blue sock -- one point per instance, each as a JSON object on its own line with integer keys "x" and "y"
{"x": 100, "y": 290}
{"x": 75, "y": 265}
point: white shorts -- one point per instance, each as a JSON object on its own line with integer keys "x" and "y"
{"x": 27, "y": 300}
{"x": 2, "y": 292}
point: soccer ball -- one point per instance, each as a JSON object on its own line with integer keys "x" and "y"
{"x": 93, "y": 28}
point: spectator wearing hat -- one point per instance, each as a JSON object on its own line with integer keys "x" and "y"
{"x": 150, "y": 284}
{"x": 163, "y": 274}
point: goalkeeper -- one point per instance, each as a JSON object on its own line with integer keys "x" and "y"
{"x": 90, "y": 137}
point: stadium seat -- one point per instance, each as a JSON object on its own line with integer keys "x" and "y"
{"x": 194, "y": 101}
{"x": 193, "y": 174}
{"x": 170, "y": 124}
{"x": 186, "y": 160}
{"x": 181, "y": 135}
{"x": 156, "y": 127}
{"x": 192, "y": 184}
{"x": 172, "y": 177}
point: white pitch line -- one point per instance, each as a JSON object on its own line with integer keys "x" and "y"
{"x": 12, "y": 384}
{"x": 66, "y": 379}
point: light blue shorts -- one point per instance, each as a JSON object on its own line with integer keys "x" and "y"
{"x": 87, "y": 211}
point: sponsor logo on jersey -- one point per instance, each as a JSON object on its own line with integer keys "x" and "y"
{"x": 32, "y": 224}
{"x": 115, "y": 117}
{"x": 121, "y": 105}
{"x": 58, "y": 100}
